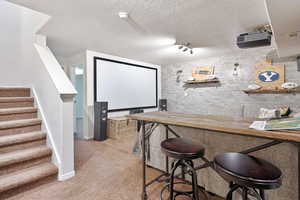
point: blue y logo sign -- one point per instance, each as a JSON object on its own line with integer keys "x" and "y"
{"x": 268, "y": 76}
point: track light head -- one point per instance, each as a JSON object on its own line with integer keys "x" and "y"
{"x": 186, "y": 47}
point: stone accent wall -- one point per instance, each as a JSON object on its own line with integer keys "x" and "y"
{"x": 227, "y": 99}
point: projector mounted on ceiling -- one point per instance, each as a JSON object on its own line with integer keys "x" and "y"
{"x": 254, "y": 39}
{"x": 262, "y": 36}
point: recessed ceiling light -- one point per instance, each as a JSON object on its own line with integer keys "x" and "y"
{"x": 123, "y": 15}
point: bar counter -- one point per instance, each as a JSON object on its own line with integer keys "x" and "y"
{"x": 215, "y": 123}
{"x": 226, "y": 134}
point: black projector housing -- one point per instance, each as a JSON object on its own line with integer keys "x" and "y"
{"x": 254, "y": 39}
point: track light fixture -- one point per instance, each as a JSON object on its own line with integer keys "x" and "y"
{"x": 186, "y": 47}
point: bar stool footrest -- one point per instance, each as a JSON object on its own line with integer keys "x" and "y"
{"x": 177, "y": 192}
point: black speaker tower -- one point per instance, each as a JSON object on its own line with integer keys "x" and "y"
{"x": 163, "y": 105}
{"x": 100, "y": 121}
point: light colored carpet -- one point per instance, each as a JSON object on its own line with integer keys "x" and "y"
{"x": 104, "y": 171}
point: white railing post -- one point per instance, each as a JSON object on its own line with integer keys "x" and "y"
{"x": 67, "y": 167}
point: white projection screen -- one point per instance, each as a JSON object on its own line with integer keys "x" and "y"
{"x": 125, "y": 86}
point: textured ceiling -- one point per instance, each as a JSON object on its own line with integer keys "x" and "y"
{"x": 285, "y": 20}
{"x": 210, "y": 25}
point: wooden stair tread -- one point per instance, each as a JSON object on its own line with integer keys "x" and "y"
{"x": 18, "y": 110}
{"x": 14, "y": 92}
{"x": 24, "y": 155}
{"x": 8, "y": 140}
{"x": 14, "y": 89}
{"x": 28, "y": 175}
{"x": 19, "y": 123}
{"x": 16, "y": 99}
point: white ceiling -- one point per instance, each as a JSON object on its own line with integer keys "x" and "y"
{"x": 285, "y": 20}
{"x": 210, "y": 25}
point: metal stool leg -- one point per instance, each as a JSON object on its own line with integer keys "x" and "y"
{"x": 245, "y": 193}
{"x": 262, "y": 194}
{"x": 182, "y": 173}
{"x": 229, "y": 194}
{"x": 233, "y": 189}
{"x": 171, "y": 197}
{"x": 195, "y": 185}
{"x": 190, "y": 167}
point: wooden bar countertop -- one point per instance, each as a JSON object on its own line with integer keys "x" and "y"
{"x": 215, "y": 123}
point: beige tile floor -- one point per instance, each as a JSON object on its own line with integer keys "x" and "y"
{"x": 104, "y": 171}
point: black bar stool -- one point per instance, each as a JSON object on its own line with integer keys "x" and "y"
{"x": 184, "y": 152}
{"x": 247, "y": 173}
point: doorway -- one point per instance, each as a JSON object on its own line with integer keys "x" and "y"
{"x": 78, "y": 106}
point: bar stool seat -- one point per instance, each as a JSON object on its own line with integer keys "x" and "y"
{"x": 248, "y": 171}
{"x": 180, "y": 148}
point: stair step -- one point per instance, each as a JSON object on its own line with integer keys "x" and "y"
{"x": 20, "y": 126}
{"x": 27, "y": 176}
{"x": 13, "y": 102}
{"x": 23, "y": 165}
{"x": 9, "y": 143}
{"x": 24, "y": 155}
{"x": 14, "y": 92}
{"x": 9, "y": 114}
{"x": 21, "y": 146}
{"x": 10, "y": 140}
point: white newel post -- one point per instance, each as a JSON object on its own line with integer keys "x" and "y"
{"x": 67, "y": 155}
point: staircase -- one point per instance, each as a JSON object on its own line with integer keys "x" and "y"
{"x": 24, "y": 155}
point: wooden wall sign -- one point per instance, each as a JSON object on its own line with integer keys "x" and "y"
{"x": 202, "y": 73}
{"x": 269, "y": 76}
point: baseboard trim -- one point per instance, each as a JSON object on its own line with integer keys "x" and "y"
{"x": 64, "y": 177}
{"x": 88, "y": 138}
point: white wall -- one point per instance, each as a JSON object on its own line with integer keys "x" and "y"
{"x": 89, "y": 88}
{"x": 284, "y": 17}
{"x": 18, "y": 26}
{"x": 69, "y": 64}
{"x": 11, "y": 30}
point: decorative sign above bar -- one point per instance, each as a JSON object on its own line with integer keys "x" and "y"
{"x": 271, "y": 79}
{"x": 269, "y": 76}
{"x": 203, "y": 73}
